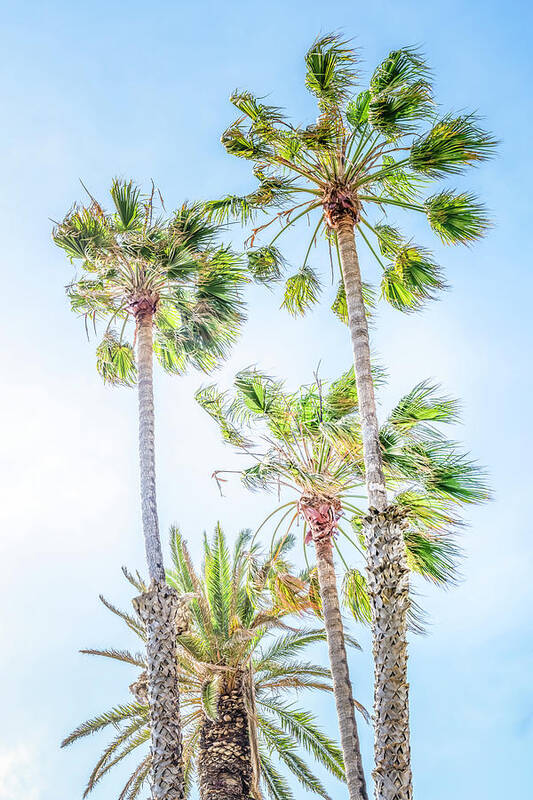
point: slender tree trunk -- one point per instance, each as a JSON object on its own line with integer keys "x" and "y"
{"x": 161, "y": 609}
{"x": 388, "y": 577}
{"x": 145, "y": 368}
{"x": 342, "y": 687}
{"x": 225, "y": 767}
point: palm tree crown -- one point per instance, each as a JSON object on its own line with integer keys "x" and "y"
{"x": 309, "y": 442}
{"x": 135, "y": 261}
{"x": 239, "y": 602}
{"x": 366, "y": 155}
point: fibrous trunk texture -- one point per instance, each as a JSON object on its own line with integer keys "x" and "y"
{"x": 389, "y": 537}
{"x": 145, "y": 357}
{"x": 160, "y": 608}
{"x": 388, "y": 587}
{"x": 165, "y": 616}
{"x": 322, "y": 518}
{"x": 375, "y": 480}
{"x": 225, "y": 760}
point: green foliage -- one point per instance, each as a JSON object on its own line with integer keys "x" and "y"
{"x": 413, "y": 279}
{"x": 115, "y": 361}
{"x": 236, "y": 606}
{"x": 457, "y": 218}
{"x": 371, "y": 150}
{"x": 134, "y": 257}
{"x": 330, "y": 69}
{"x": 451, "y": 145}
{"x": 309, "y": 442}
{"x": 302, "y": 290}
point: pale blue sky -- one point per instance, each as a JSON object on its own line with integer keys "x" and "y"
{"x": 91, "y": 90}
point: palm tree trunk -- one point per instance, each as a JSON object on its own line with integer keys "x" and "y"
{"x": 164, "y": 614}
{"x": 388, "y": 588}
{"x": 224, "y": 759}
{"x": 342, "y": 687}
{"x": 388, "y": 577}
{"x": 145, "y": 359}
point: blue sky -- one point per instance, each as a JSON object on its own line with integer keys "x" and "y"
{"x": 92, "y": 90}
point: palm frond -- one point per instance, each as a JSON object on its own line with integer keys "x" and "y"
{"x": 451, "y": 145}
{"x": 115, "y": 361}
{"x": 330, "y": 69}
{"x": 302, "y": 291}
{"x": 457, "y": 218}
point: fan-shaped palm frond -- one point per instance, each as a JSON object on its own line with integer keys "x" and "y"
{"x": 133, "y": 259}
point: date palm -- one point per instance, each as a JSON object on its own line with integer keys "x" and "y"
{"x": 366, "y": 155}
{"x": 166, "y": 281}
{"x": 239, "y": 668}
{"x": 310, "y": 443}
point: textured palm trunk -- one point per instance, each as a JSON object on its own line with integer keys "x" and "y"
{"x": 225, "y": 767}
{"x": 342, "y": 687}
{"x": 161, "y": 609}
{"x": 388, "y": 578}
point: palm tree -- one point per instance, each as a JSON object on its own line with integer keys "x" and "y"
{"x": 238, "y": 665}
{"x": 310, "y": 442}
{"x": 181, "y": 292}
{"x": 370, "y": 152}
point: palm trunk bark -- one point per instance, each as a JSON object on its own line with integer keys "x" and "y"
{"x": 388, "y": 577}
{"x": 161, "y": 609}
{"x": 342, "y": 687}
{"x": 225, "y": 768}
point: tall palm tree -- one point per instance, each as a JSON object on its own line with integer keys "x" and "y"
{"x": 180, "y": 292}
{"x": 239, "y": 668}
{"x": 310, "y": 442}
{"x": 366, "y": 153}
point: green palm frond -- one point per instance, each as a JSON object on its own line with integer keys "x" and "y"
{"x": 276, "y": 784}
{"x": 126, "y": 198}
{"x": 330, "y": 64}
{"x": 134, "y": 257}
{"x": 266, "y": 264}
{"x": 133, "y": 623}
{"x": 137, "y": 779}
{"x": 401, "y": 68}
{"x": 136, "y": 659}
{"x": 115, "y": 361}
{"x": 282, "y": 745}
{"x": 377, "y": 151}
{"x": 355, "y": 596}
{"x": 451, "y": 145}
{"x": 423, "y": 404}
{"x": 435, "y": 557}
{"x": 302, "y": 727}
{"x": 113, "y": 717}
{"x": 302, "y": 290}
{"x": 457, "y": 218}
{"x": 413, "y": 279}
{"x": 236, "y": 591}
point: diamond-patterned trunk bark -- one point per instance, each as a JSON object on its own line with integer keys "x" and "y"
{"x": 392, "y": 752}
{"x": 165, "y": 616}
{"x": 388, "y": 588}
{"x": 161, "y": 609}
{"x": 225, "y": 758}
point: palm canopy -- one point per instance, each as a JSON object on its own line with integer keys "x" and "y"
{"x": 239, "y": 601}
{"x": 135, "y": 260}
{"x": 309, "y": 443}
{"x": 367, "y": 154}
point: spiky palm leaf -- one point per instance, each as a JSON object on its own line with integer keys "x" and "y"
{"x": 134, "y": 255}
{"x": 368, "y": 152}
{"x": 309, "y": 443}
{"x": 236, "y": 609}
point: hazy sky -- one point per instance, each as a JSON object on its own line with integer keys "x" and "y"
{"x": 94, "y": 90}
